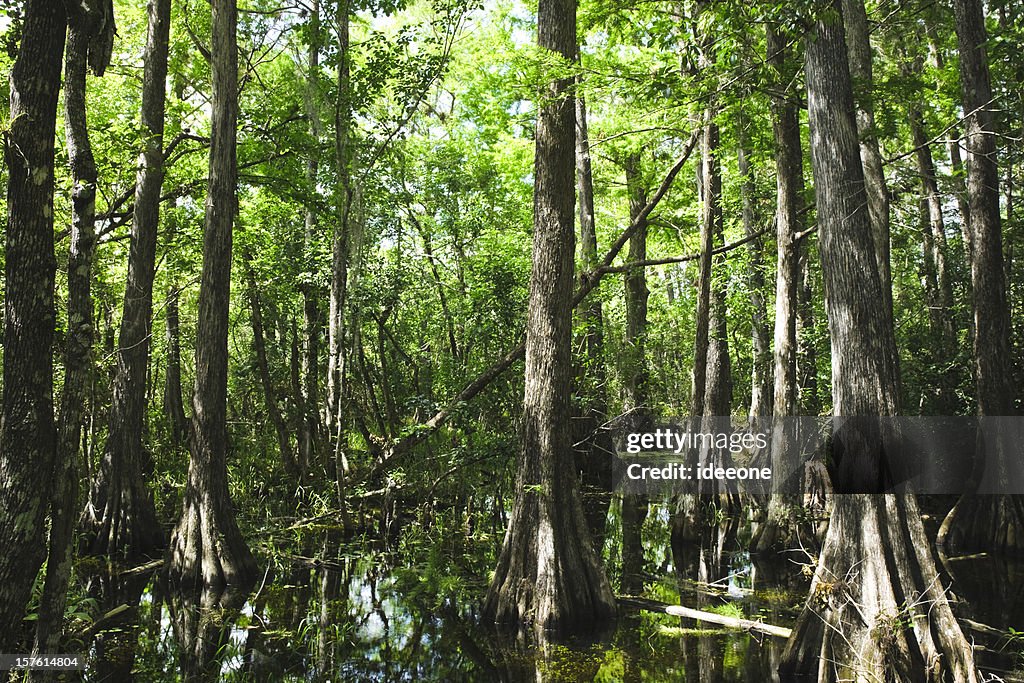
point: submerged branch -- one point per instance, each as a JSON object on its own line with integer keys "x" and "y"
{"x": 709, "y": 617}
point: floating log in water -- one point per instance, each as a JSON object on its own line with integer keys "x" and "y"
{"x": 709, "y": 617}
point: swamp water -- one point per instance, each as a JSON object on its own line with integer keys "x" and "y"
{"x": 408, "y": 610}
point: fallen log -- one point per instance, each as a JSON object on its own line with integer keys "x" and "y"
{"x": 709, "y": 617}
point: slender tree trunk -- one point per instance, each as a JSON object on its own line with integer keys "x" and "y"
{"x": 807, "y": 351}
{"x": 637, "y": 294}
{"x": 711, "y": 348}
{"x": 593, "y": 440}
{"x": 120, "y": 518}
{"x": 702, "y": 335}
{"x": 761, "y": 347}
{"x": 174, "y": 405}
{"x": 637, "y": 398}
{"x": 340, "y": 239}
{"x": 310, "y": 426}
{"x": 789, "y": 192}
{"x": 207, "y": 547}
{"x": 938, "y": 288}
{"x": 985, "y": 522}
{"x": 78, "y": 346}
{"x": 548, "y": 572}
{"x": 718, "y": 390}
{"x": 27, "y": 431}
{"x": 955, "y": 158}
{"x": 259, "y": 343}
{"x": 877, "y": 607}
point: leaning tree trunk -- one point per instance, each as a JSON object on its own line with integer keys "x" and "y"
{"x": 88, "y": 26}
{"x": 27, "y": 432}
{"x": 207, "y": 548}
{"x": 877, "y": 608}
{"x": 985, "y": 522}
{"x": 120, "y": 518}
{"x": 548, "y": 572}
{"x": 777, "y": 527}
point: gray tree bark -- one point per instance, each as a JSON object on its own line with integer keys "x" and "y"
{"x": 592, "y": 438}
{"x": 789, "y": 191}
{"x": 548, "y": 573}
{"x": 937, "y": 284}
{"x": 340, "y": 238}
{"x": 858, "y": 47}
{"x": 761, "y": 396}
{"x": 637, "y": 395}
{"x": 876, "y": 609}
{"x": 174, "y": 404}
{"x": 310, "y": 429}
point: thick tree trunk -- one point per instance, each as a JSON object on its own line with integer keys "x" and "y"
{"x": 991, "y": 316}
{"x": 63, "y": 505}
{"x": 548, "y": 573}
{"x": 985, "y": 522}
{"x": 789, "y": 192}
{"x": 877, "y": 607}
{"x": 207, "y": 547}
{"x": 120, "y": 519}
{"x": 27, "y": 431}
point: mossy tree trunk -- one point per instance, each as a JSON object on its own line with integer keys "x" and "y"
{"x": 89, "y": 30}
{"x": 27, "y": 431}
